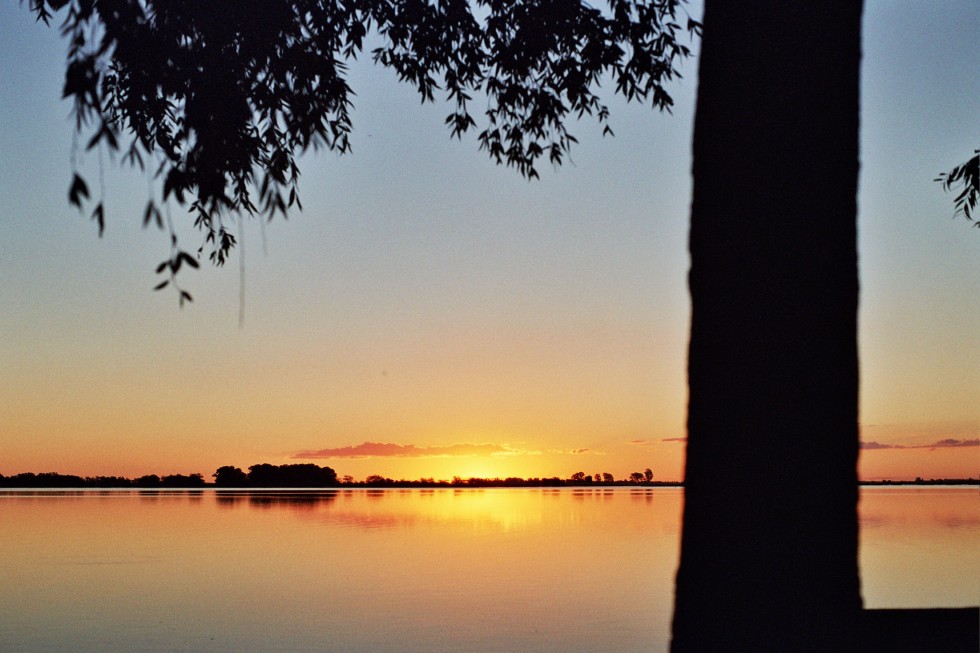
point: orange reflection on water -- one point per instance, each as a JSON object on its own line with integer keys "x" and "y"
{"x": 919, "y": 546}
{"x": 474, "y": 570}
{"x": 444, "y": 570}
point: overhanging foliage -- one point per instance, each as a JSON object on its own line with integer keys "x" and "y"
{"x": 217, "y": 99}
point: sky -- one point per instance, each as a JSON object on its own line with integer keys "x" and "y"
{"x": 430, "y": 314}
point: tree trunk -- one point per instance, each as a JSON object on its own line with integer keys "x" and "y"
{"x": 769, "y": 544}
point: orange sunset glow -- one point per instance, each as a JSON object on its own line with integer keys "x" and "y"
{"x": 430, "y": 314}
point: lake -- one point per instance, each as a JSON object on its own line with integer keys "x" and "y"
{"x": 470, "y": 570}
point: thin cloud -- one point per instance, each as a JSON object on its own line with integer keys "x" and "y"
{"x": 650, "y": 443}
{"x": 575, "y": 452}
{"x": 945, "y": 443}
{"x": 392, "y": 450}
{"x": 869, "y": 446}
{"x": 950, "y": 442}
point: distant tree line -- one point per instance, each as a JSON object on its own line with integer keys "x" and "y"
{"x": 576, "y": 479}
{"x": 56, "y": 480}
{"x": 307, "y": 475}
{"x": 927, "y": 481}
{"x": 266, "y": 475}
{"x": 258, "y": 476}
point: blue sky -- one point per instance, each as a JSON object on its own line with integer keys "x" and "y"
{"x": 427, "y": 298}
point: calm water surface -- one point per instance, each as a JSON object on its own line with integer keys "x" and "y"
{"x": 537, "y": 570}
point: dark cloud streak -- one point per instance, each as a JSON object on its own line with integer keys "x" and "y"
{"x": 392, "y": 450}
{"x": 939, "y": 444}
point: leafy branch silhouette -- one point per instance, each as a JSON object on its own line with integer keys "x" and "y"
{"x": 217, "y": 100}
{"x": 967, "y": 175}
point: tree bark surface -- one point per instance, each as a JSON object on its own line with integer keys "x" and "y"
{"x": 769, "y": 544}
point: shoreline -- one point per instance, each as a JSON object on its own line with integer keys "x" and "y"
{"x": 441, "y": 485}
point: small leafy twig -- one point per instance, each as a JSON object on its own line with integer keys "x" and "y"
{"x": 178, "y": 257}
{"x": 967, "y": 174}
{"x": 171, "y": 266}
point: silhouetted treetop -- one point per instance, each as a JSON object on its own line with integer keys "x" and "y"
{"x": 230, "y": 476}
{"x": 296, "y": 475}
{"x": 216, "y": 99}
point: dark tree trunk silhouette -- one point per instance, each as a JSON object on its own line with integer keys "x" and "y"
{"x": 769, "y": 544}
